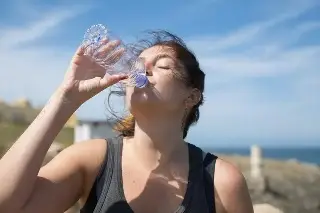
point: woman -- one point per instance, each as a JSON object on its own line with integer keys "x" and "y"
{"x": 148, "y": 168}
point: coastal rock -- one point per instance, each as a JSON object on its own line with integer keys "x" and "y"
{"x": 292, "y": 186}
{"x": 266, "y": 208}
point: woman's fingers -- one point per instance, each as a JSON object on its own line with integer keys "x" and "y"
{"x": 90, "y": 49}
{"x": 106, "y": 49}
{"x": 114, "y": 56}
{"x": 81, "y": 50}
{"x": 109, "y": 80}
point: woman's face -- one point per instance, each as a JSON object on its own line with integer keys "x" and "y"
{"x": 165, "y": 92}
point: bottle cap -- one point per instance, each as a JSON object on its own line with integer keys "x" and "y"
{"x": 141, "y": 80}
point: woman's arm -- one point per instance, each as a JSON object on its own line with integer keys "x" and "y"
{"x": 67, "y": 178}
{"x": 23, "y": 190}
{"x": 60, "y": 183}
{"x": 20, "y": 165}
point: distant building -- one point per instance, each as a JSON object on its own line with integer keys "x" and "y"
{"x": 91, "y": 129}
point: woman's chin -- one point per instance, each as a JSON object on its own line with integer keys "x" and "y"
{"x": 143, "y": 99}
{"x": 143, "y": 102}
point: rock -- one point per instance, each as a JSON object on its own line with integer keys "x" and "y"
{"x": 266, "y": 208}
{"x": 292, "y": 186}
{"x": 257, "y": 184}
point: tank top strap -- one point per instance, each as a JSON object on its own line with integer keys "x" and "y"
{"x": 202, "y": 166}
{"x": 209, "y": 162}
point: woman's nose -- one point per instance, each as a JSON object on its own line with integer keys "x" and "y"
{"x": 148, "y": 72}
{"x": 148, "y": 67}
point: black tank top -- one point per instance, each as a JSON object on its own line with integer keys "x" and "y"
{"x": 107, "y": 194}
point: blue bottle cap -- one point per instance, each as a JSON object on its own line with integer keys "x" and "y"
{"x": 141, "y": 81}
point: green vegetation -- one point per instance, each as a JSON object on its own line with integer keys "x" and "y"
{"x": 17, "y": 115}
{"x": 10, "y": 132}
{"x": 14, "y": 119}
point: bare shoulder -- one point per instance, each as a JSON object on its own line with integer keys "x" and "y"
{"x": 231, "y": 191}
{"x": 67, "y": 178}
{"x": 86, "y": 157}
{"x": 90, "y": 154}
{"x": 86, "y": 154}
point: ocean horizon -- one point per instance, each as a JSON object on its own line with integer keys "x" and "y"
{"x": 303, "y": 154}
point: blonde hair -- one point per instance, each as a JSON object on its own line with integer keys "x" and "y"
{"x": 126, "y": 126}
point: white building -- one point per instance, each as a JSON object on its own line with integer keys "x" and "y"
{"x": 86, "y": 129}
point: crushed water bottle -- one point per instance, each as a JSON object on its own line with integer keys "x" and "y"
{"x": 120, "y": 60}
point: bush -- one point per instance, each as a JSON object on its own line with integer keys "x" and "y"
{"x": 18, "y": 118}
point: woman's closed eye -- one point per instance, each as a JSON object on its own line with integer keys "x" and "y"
{"x": 163, "y": 63}
{"x": 164, "y": 67}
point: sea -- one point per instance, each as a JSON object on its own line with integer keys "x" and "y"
{"x": 303, "y": 154}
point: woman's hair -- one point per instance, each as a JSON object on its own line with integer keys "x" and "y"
{"x": 190, "y": 74}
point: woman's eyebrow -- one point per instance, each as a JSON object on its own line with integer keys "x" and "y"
{"x": 163, "y": 55}
{"x": 159, "y": 56}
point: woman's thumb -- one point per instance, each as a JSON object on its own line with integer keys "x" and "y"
{"x": 109, "y": 80}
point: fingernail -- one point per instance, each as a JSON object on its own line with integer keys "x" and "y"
{"x": 123, "y": 76}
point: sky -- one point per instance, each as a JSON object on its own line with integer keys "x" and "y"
{"x": 261, "y": 59}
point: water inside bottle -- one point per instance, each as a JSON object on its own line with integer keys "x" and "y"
{"x": 120, "y": 60}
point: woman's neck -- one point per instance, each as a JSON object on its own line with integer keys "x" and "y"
{"x": 158, "y": 140}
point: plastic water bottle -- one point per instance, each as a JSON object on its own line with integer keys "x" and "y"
{"x": 113, "y": 62}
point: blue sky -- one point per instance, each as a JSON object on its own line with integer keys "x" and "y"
{"x": 261, "y": 58}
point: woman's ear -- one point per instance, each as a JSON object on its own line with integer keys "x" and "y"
{"x": 193, "y": 98}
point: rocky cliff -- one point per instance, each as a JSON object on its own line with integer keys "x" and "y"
{"x": 292, "y": 186}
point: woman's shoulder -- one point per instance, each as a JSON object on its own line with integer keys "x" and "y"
{"x": 223, "y": 168}
{"x": 90, "y": 155}
{"x": 231, "y": 188}
{"x": 84, "y": 154}
{"x": 226, "y": 172}
{"x": 92, "y": 152}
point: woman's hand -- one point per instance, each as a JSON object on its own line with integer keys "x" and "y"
{"x": 86, "y": 76}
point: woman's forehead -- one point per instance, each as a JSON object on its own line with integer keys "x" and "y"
{"x": 157, "y": 50}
